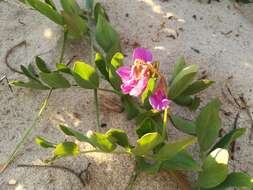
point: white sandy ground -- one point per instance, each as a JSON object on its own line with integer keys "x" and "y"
{"x": 222, "y": 35}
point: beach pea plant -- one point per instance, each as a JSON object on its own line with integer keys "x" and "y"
{"x": 148, "y": 98}
{"x": 151, "y": 99}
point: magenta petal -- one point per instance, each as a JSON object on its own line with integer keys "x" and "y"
{"x": 158, "y": 100}
{"x": 139, "y": 87}
{"x": 124, "y": 72}
{"x": 142, "y": 54}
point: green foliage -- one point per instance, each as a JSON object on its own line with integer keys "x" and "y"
{"x": 42, "y": 65}
{"x": 101, "y": 65}
{"x": 44, "y": 143}
{"x": 183, "y": 125}
{"x": 147, "y": 143}
{"x": 197, "y": 86}
{"x": 85, "y": 75}
{"x": 71, "y": 7}
{"x": 179, "y": 66}
{"x": 107, "y": 37}
{"x": 46, "y": 10}
{"x": 168, "y": 151}
{"x": 54, "y": 80}
{"x": 148, "y": 91}
{"x": 66, "y": 149}
{"x": 214, "y": 169}
{"x": 33, "y": 84}
{"x": 130, "y": 106}
{"x": 181, "y": 161}
{"x": 208, "y": 124}
{"x": 236, "y": 180}
{"x": 99, "y": 10}
{"x": 225, "y": 141}
{"x": 182, "y": 81}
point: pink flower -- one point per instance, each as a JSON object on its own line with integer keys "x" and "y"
{"x": 158, "y": 99}
{"x": 135, "y": 78}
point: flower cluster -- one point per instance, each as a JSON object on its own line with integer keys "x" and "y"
{"x": 135, "y": 79}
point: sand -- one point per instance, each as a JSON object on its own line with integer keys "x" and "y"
{"x": 217, "y": 36}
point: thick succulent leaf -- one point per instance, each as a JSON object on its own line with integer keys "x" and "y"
{"x": 181, "y": 161}
{"x": 119, "y": 137}
{"x": 85, "y": 75}
{"x": 236, "y": 180}
{"x": 47, "y": 10}
{"x": 225, "y": 141}
{"x": 107, "y": 37}
{"x": 180, "y": 65}
{"x": 44, "y": 143}
{"x": 42, "y": 65}
{"x": 54, "y": 80}
{"x": 182, "y": 81}
{"x": 183, "y": 125}
{"x": 99, "y": 10}
{"x": 32, "y": 84}
{"x": 71, "y": 6}
{"x": 101, "y": 65}
{"x": 147, "y": 143}
{"x": 66, "y": 149}
{"x": 214, "y": 169}
{"x": 77, "y": 26}
{"x": 208, "y": 124}
{"x": 197, "y": 86}
{"x": 168, "y": 151}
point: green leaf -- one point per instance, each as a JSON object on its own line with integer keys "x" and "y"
{"x": 44, "y": 143}
{"x": 130, "y": 106}
{"x": 66, "y": 149}
{"x": 214, "y": 169}
{"x": 99, "y": 10}
{"x": 181, "y": 161}
{"x": 116, "y": 62}
{"x": 29, "y": 73}
{"x": 31, "y": 84}
{"x": 63, "y": 68}
{"x": 101, "y": 65}
{"x": 148, "y": 91}
{"x": 183, "y": 125}
{"x": 225, "y": 141}
{"x": 70, "y": 132}
{"x": 168, "y": 151}
{"x": 119, "y": 137}
{"x": 236, "y": 179}
{"x": 46, "y": 10}
{"x": 54, "y": 80}
{"x": 148, "y": 125}
{"x": 146, "y": 143}
{"x": 183, "y": 79}
{"x": 180, "y": 65}
{"x": 42, "y": 65}
{"x": 194, "y": 104}
{"x": 208, "y": 124}
{"x": 102, "y": 142}
{"x": 71, "y": 6}
{"x": 51, "y": 3}
{"x": 85, "y": 75}
{"x": 107, "y": 37}
{"x": 197, "y": 86}
{"x": 76, "y": 25}
{"x": 144, "y": 166}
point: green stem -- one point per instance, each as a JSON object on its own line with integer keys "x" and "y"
{"x": 165, "y": 116}
{"x": 93, "y": 63}
{"x": 133, "y": 179}
{"x": 96, "y": 108}
{"x": 65, "y": 35}
{"x": 100, "y": 151}
{"x": 27, "y": 133}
